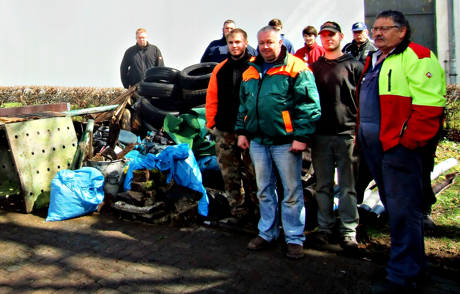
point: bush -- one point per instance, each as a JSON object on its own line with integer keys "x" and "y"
{"x": 80, "y": 97}
{"x": 452, "y": 122}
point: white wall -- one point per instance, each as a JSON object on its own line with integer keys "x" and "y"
{"x": 81, "y": 43}
{"x": 443, "y": 36}
{"x": 457, "y": 37}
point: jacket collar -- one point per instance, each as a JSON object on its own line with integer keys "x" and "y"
{"x": 245, "y": 58}
{"x": 281, "y": 60}
{"x": 142, "y": 48}
{"x": 401, "y": 47}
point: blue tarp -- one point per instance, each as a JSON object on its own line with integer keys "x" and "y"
{"x": 182, "y": 166}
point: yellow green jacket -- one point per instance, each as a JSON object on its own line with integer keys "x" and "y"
{"x": 412, "y": 92}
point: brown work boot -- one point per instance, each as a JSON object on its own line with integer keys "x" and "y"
{"x": 294, "y": 251}
{"x": 258, "y": 243}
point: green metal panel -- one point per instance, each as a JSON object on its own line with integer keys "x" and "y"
{"x": 9, "y": 181}
{"x": 40, "y": 148}
{"x": 420, "y": 14}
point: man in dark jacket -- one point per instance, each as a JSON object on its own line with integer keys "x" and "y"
{"x": 217, "y": 50}
{"x": 222, "y": 102}
{"x": 278, "y": 25}
{"x": 336, "y": 76}
{"x": 361, "y": 45}
{"x": 138, "y": 59}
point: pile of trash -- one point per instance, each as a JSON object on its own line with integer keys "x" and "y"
{"x": 152, "y": 161}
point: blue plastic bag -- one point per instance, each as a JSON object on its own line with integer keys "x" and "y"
{"x": 75, "y": 193}
{"x": 182, "y": 166}
{"x": 208, "y": 163}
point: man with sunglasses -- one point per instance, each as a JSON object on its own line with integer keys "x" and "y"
{"x": 401, "y": 103}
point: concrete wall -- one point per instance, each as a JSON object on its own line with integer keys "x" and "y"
{"x": 443, "y": 39}
{"x": 81, "y": 43}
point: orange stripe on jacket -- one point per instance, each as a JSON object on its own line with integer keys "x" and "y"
{"x": 287, "y": 121}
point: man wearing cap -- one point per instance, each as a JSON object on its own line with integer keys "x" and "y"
{"x": 336, "y": 75}
{"x": 401, "y": 104}
{"x": 279, "y": 106}
{"x": 138, "y": 59}
{"x": 311, "y": 51}
{"x": 361, "y": 44}
{"x": 217, "y": 50}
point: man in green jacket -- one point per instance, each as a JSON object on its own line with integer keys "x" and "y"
{"x": 279, "y": 105}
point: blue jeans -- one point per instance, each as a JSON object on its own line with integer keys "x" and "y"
{"x": 289, "y": 165}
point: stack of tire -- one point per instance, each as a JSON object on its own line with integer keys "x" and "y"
{"x": 166, "y": 90}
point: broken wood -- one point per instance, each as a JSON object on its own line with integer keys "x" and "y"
{"x": 33, "y": 109}
{"x": 119, "y": 100}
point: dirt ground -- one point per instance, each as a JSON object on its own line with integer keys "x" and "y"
{"x": 101, "y": 253}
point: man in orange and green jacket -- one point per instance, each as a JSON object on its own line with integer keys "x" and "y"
{"x": 279, "y": 105}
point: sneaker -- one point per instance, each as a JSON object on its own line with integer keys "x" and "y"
{"x": 294, "y": 251}
{"x": 349, "y": 242}
{"x": 258, "y": 243}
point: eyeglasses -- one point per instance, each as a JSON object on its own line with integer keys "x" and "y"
{"x": 382, "y": 28}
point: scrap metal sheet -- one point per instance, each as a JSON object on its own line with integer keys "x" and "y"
{"x": 40, "y": 148}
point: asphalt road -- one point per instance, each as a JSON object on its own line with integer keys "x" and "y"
{"x": 103, "y": 254}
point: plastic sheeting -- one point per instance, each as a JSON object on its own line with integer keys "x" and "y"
{"x": 75, "y": 193}
{"x": 182, "y": 166}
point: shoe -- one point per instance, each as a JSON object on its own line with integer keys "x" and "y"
{"x": 294, "y": 251}
{"x": 388, "y": 287}
{"x": 349, "y": 243}
{"x": 428, "y": 222}
{"x": 258, "y": 243}
{"x": 319, "y": 239}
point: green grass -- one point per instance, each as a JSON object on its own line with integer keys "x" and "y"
{"x": 444, "y": 242}
{"x": 446, "y": 210}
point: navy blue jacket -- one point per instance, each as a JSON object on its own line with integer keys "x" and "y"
{"x": 217, "y": 51}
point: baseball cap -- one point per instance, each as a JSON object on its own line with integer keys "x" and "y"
{"x": 330, "y": 26}
{"x": 358, "y": 26}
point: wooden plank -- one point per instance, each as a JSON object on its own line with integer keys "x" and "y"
{"x": 30, "y": 109}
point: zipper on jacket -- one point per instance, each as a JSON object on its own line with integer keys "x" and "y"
{"x": 403, "y": 129}
{"x": 389, "y": 81}
{"x": 261, "y": 77}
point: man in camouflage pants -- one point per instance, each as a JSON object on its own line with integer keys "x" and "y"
{"x": 222, "y": 103}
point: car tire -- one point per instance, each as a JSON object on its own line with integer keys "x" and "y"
{"x": 196, "y": 76}
{"x": 168, "y": 104}
{"x": 152, "y": 115}
{"x": 193, "y": 98}
{"x": 162, "y": 75}
{"x": 155, "y": 89}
